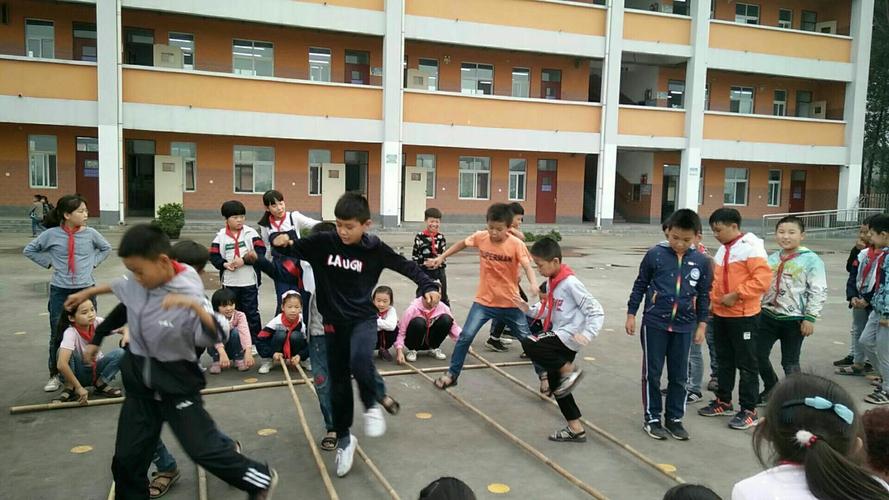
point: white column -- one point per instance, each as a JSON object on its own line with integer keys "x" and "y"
{"x": 393, "y": 61}
{"x": 108, "y": 33}
{"x": 856, "y": 103}
{"x": 607, "y": 170}
{"x": 695, "y": 88}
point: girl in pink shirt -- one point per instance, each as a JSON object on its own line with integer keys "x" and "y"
{"x": 238, "y": 346}
{"x": 424, "y": 329}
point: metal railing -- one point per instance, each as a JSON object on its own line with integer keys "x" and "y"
{"x": 874, "y": 200}
{"x": 822, "y": 221}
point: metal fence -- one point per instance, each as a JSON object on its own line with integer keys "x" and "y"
{"x": 874, "y": 200}
{"x": 823, "y": 221}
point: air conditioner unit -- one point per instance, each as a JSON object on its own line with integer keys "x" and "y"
{"x": 826, "y": 27}
{"x": 819, "y": 110}
{"x": 166, "y": 56}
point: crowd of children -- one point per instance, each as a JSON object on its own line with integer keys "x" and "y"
{"x": 331, "y": 309}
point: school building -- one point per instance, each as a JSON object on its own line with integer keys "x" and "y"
{"x": 597, "y": 111}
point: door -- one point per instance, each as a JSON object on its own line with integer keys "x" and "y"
{"x": 798, "y": 191}
{"x": 414, "y": 194}
{"x": 138, "y": 46}
{"x": 357, "y": 67}
{"x": 551, "y": 84}
{"x": 87, "y": 166}
{"x": 140, "y": 178}
{"x": 333, "y": 185}
{"x": 356, "y": 171}
{"x": 547, "y": 177}
{"x": 168, "y": 180}
{"x": 670, "y": 189}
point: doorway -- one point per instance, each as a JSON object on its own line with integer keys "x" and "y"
{"x": 551, "y": 84}
{"x": 87, "y": 167}
{"x": 590, "y": 176}
{"x": 358, "y": 67}
{"x": 85, "y": 42}
{"x": 356, "y": 171}
{"x": 138, "y": 46}
{"x": 547, "y": 189}
{"x": 670, "y": 191}
{"x": 798, "y": 191}
{"x": 140, "y": 177}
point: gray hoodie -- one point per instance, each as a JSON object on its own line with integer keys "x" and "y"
{"x": 575, "y": 311}
{"x": 50, "y": 250}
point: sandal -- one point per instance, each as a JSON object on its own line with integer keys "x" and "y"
{"x": 391, "y": 406}
{"x": 161, "y": 483}
{"x": 66, "y": 396}
{"x": 328, "y": 443}
{"x": 566, "y": 435}
{"x": 445, "y": 381}
{"x": 108, "y": 391}
{"x": 852, "y": 370}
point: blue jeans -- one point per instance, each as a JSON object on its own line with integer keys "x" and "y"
{"x": 875, "y": 343}
{"x": 36, "y": 227}
{"x": 478, "y": 315}
{"x": 106, "y": 368}
{"x": 232, "y": 346}
{"x": 57, "y": 297}
{"x": 859, "y": 320}
{"x": 321, "y": 374}
{"x": 696, "y": 362}
{"x": 659, "y": 346}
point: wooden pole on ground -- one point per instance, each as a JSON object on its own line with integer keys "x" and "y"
{"x": 202, "y": 483}
{"x": 370, "y": 465}
{"x": 328, "y": 484}
{"x": 521, "y": 444}
{"x": 111, "y": 493}
{"x": 595, "y": 428}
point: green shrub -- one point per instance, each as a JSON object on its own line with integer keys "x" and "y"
{"x": 531, "y": 237}
{"x": 170, "y": 219}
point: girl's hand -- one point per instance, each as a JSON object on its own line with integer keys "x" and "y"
{"x": 399, "y": 356}
{"x": 82, "y": 395}
{"x": 581, "y": 339}
{"x": 237, "y": 263}
{"x": 229, "y": 266}
{"x": 248, "y": 358}
{"x": 294, "y": 360}
{"x": 223, "y": 360}
{"x": 277, "y": 356}
{"x": 250, "y": 257}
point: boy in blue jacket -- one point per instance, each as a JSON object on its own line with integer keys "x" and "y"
{"x": 675, "y": 280}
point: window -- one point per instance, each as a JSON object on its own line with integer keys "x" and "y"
{"x": 707, "y": 97}
{"x": 40, "y": 38}
{"x": 521, "y": 82}
{"x": 253, "y": 58}
{"x": 185, "y": 42}
{"x": 803, "y": 103}
{"x": 517, "y": 176}
{"x": 427, "y": 161}
{"x": 317, "y": 158}
{"x": 808, "y": 21}
{"x": 319, "y": 64}
{"x": 475, "y": 177}
{"x": 356, "y": 171}
{"x": 785, "y": 19}
{"x": 89, "y": 144}
{"x": 680, "y": 7}
{"x": 774, "y": 188}
{"x": 735, "y": 186}
{"x": 675, "y": 93}
{"x": 254, "y": 169}
{"x": 551, "y": 84}
{"x": 779, "y": 105}
{"x": 85, "y": 42}
{"x": 430, "y": 68}
{"x": 357, "y": 67}
{"x": 188, "y": 152}
{"x": 741, "y": 100}
{"x": 42, "y": 161}
{"x": 746, "y": 13}
{"x": 476, "y": 78}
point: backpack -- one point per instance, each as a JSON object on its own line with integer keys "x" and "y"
{"x": 47, "y": 207}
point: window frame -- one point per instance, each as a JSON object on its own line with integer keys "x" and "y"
{"x": 46, "y": 165}
{"x": 803, "y": 23}
{"x": 185, "y": 160}
{"x": 746, "y": 16}
{"x": 741, "y": 90}
{"x": 777, "y": 102}
{"x": 671, "y": 92}
{"x": 329, "y": 64}
{"x": 319, "y": 169}
{"x": 477, "y": 80}
{"x": 190, "y": 51}
{"x": 430, "y": 173}
{"x": 521, "y": 180}
{"x": 252, "y": 57}
{"x": 735, "y": 182}
{"x": 52, "y": 24}
{"x": 811, "y": 100}
{"x": 435, "y": 77}
{"x": 774, "y": 183}
{"x": 789, "y": 25}
{"x": 475, "y": 173}
{"x": 254, "y": 169}
{"x": 528, "y": 82}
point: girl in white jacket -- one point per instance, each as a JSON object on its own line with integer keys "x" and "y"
{"x": 387, "y": 321}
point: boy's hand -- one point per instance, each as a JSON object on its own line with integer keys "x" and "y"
{"x": 82, "y": 395}
{"x": 125, "y": 336}
{"x": 75, "y": 299}
{"x": 282, "y": 240}
{"x": 294, "y": 360}
{"x": 700, "y": 334}
{"x": 399, "y": 356}
{"x": 431, "y": 299}
{"x": 277, "y": 356}
{"x": 237, "y": 262}
{"x": 581, "y": 339}
{"x": 229, "y": 266}
{"x": 521, "y": 304}
{"x": 178, "y": 300}
{"x": 806, "y": 328}
{"x": 250, "y": 257}
{"x": 248, "y": 359}
{"x": 223, "y": 359}
{"x": 729, "y": 299}
{"x": 89, "y": 354}
{"x": 429, "y": 264}
{"x": 631, "y": 324}
{"x": 434, "y": 263}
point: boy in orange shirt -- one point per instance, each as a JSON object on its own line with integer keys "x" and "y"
{"x": 501, "y": 255}
{"x": 741, "y": 275}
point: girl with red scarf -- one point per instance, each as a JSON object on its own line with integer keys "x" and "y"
{"x": 78, "y": 329}
{"x": 285, "y": 335}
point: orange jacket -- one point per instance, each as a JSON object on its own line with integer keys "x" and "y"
{"x": 741, "y": 266}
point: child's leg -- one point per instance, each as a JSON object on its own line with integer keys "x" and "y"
{"x": 791, "y": 345}
{"x": 361, "y": 362}
{"x": 859, "y": 320}
{"x": 654, "y": 350}
{"x": 517, "y": 322}
{"x": 695, "y": 368}
{"x": 882, "y": 361}
{"x": 208, "y": 447}
{"x": 438, "y": 331}
{"x": 83, "y": 372}
{"x": 389, "y": 336}
{"x": 338, "y": 358}
{"x": 744, "y": 343}
{"x": 443, "y": 279}
{"x": 163, "y": 459}
{"x": 233, "y": 348}
{"x": 497, "y": 328}
{"x": 320, "y": 373}
{"x": 868, "y": 339}
{"x": 711, "y": 350}
{"x": 250, "y": 304}
{"x": 109, "y": 365}
{"x": 725, "y": 355}
{"x": 677, "y": 374}
{"x": 767, "y": 334}
{"x": 477, "y": 317}
{"x": 415, "y": 335}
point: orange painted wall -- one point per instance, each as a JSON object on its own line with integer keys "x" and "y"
{"x": 12, "y": 35}
{"x": 834, "y": 10}
{"x": 213, "y": 42}
{"x": 575, "y": 79}
{"x": 764, "y": 92}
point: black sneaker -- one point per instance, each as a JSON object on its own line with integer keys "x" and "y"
{"x": 675, "y": 428}
{"x": 843, "y": 362}
{"x": 764, "y": 398}
{"x": 693, "y": 397}
{"x": 713, "y": 385}
{"x": 495, "y": 345}
{"x": 743, "y": 420}
{"x": 717, "y": 408}
{"x": 655, "y": 430}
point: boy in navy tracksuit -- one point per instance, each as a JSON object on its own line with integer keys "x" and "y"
{"x": 675, "y": 280}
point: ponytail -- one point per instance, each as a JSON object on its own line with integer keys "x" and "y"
{"x": 829, "y": 475}
{"x": 66, "y": 205}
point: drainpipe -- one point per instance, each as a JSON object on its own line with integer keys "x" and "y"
{"x": 120, "y": 175}
{"x": 603, "y": 92}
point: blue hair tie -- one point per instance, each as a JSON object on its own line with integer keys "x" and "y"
{"x": 820, "y": 403}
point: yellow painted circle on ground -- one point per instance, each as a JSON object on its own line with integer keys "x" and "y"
{"x": 837, "y": 342}
{"x": 424, "y": 415}
{"x": 251, "y": 380}
{"x": 84, "y": 448}
{"x": 19, "y": 333}
{"x": 267, "y": 432}
{"x": 589, "y": 358}
{"x": 498, "y": 488}
{"x": 668, "y": 468}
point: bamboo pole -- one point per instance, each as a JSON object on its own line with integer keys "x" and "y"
{"x": 202, "y": 483}
{"x": 595, "y": 428}
{"x": 233, "y": 388}
{"x": 328, "y": 485}
{"x": 521, "y": 444}
{"x": 111, "y": 492}
{"x": 370, "y": 465}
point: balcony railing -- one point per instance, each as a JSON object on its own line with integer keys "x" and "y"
{"x": 779, "y": 42}
{"x": 48, "y": 78}
{"x": 773, "y": 129}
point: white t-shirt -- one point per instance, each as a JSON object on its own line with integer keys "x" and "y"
{"x": 72, "y": 341}
{"x": 784, "y": 482}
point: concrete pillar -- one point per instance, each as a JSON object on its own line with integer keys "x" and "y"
{"x": 607, "y": 169}
{"x": 856, "y": 103}
{"x": 695, "y": 89}
{"x": 393, "y": 61}
{"x": 108, "y": 38}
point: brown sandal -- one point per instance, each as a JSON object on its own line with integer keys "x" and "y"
{"x": 328, "y": 443}
{"x": 108, "y": 391}
{"x": 445, "y": 381}
{"x": 161, "y": 483}
{"x": 389, "y": 404}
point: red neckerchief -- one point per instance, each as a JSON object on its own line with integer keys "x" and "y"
{"x": 88, "y": 334}
{"x": 780, "y": 272}
{"x": 428, "y": 316}
{"x": 70, "y": 232}
{"x": 728, "y": 249}
{"x": 788, "y": 462}
{"x": 290, "y": 328}
{"x": 382, "y": 314}
{"x": 278, "y": 225}
{"x": 177, "y": 267}
{"x": 878, "y": 279}
{"x": 549, "y": 304}
{"x": 873, "y": 255}
{"x": 235, "y": 237}
{"x": 429, "y": 234}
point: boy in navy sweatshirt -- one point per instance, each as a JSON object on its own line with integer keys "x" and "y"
{"x": 347, "y": 265}
{"x": 675, "y": 280}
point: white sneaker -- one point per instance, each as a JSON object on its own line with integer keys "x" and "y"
{"x": 374, "y": 422}
{"x": 253, "y": 350}
{"x": 306, "y": 364}
{"x": 411, "y": 356}
{"x": 344, "y": 457}
{"x": 437, "y": 354}
{"x": 266, "y": 366}
{"x": 53, "y": 384}
{"x": 506, "y": 340}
